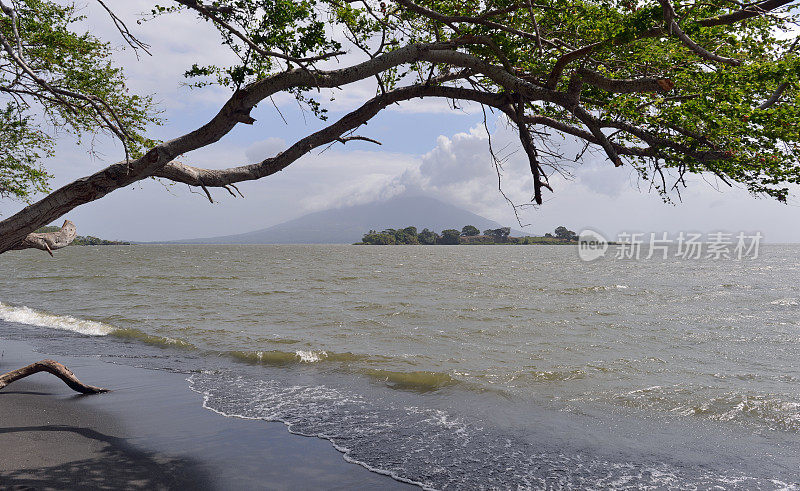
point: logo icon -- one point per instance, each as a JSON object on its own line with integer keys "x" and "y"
{"x": 591, "y": 245}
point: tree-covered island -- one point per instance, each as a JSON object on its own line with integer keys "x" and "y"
{"x": 469, "y": 235}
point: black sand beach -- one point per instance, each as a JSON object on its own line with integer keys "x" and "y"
{"x": 150, "y": 432}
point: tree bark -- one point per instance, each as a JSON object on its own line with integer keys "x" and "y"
{"x": 56, "y": 369}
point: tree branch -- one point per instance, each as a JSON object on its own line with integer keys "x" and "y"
{"x": 672, "y": 26}
{"x": 14, "y": 228}
{"x": 775, "y": 97}
{"x": 752, "y": 10}
{"x": 625, "y": 86}
{"x": 530, "y": 150}
{"x": 49, "y": 241}
{"x": 450, "y": 20}
{"x": 576, "y": 54}
{"x": 195, "y": 176}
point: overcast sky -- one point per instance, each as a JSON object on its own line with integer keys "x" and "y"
{"x": 427, "y": 148}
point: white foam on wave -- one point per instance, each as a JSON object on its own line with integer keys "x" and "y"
{"x": 786, "y": 302}
{"x": 310, "y": 356}
{"x": 27, "y": 315}
{"x": 327, "y": 398}
{"x": 437, "y": 449}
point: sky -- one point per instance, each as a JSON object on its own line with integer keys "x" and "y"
{"x": 427, "y": 148}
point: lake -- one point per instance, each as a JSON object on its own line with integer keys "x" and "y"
{"x": 456, "y": 366}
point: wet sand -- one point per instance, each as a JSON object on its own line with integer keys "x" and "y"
{"x": 150, "y": 432}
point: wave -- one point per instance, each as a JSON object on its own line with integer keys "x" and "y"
{"x": 159, "y": 341}
{"x": 277, "y": 357}
{"x": 786, "y": 302}
{"x": 555, "y": 375}
{"x": 27, "y": 315}
{"x": 414, "y": 381}
{"x": 419, "y": 381}
{"x": 593, "y": 288}
{"x": 770, "y": 411}
{"x": 32, "y": 317}
{"x": 259, "y": 293}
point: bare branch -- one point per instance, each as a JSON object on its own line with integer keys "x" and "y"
{"x": 530, "y": 150}
{"x": 49, "y": 241}
{"x": 126, "y": 34}
{"x": 346, "y": 139}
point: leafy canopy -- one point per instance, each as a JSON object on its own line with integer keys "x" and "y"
{"x": 55, "y": 77}
{"x": 669, "y": 88}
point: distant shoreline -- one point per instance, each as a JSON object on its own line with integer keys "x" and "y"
{"x": 510, "y": 243}
{"x": 468, "y": 235}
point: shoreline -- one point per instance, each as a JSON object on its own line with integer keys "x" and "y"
{"x": 150, "y": 432}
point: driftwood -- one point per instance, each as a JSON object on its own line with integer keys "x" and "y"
{"x": 56, "y": 369}
{"x": 49, "y": 241}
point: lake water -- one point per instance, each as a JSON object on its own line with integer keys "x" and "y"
{"x": 456, "y": 366}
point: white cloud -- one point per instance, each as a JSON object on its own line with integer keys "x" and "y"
{"x": 336, "y": 179}
{"x": 459, "y": 170}
{"x": 435, "y": 105}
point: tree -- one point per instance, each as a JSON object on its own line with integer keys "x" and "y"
{"x": 406, "y": 235}
{"x": 564, "y": 234}
{"x": 499, "y": 234}
{"x": 450, "y": 236}
{"x": 427, "y": 237}
{"x": 666, "y": 89}
{"x": 373, "y": 238}
{"x": 470, "y": 231}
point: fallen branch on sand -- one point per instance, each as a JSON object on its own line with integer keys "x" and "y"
{"x": 56, "y": 369}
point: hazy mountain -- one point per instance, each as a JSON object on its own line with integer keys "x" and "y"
{"x": 348, "y": 225}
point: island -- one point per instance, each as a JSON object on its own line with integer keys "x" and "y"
{"x": 468, "y": 235}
